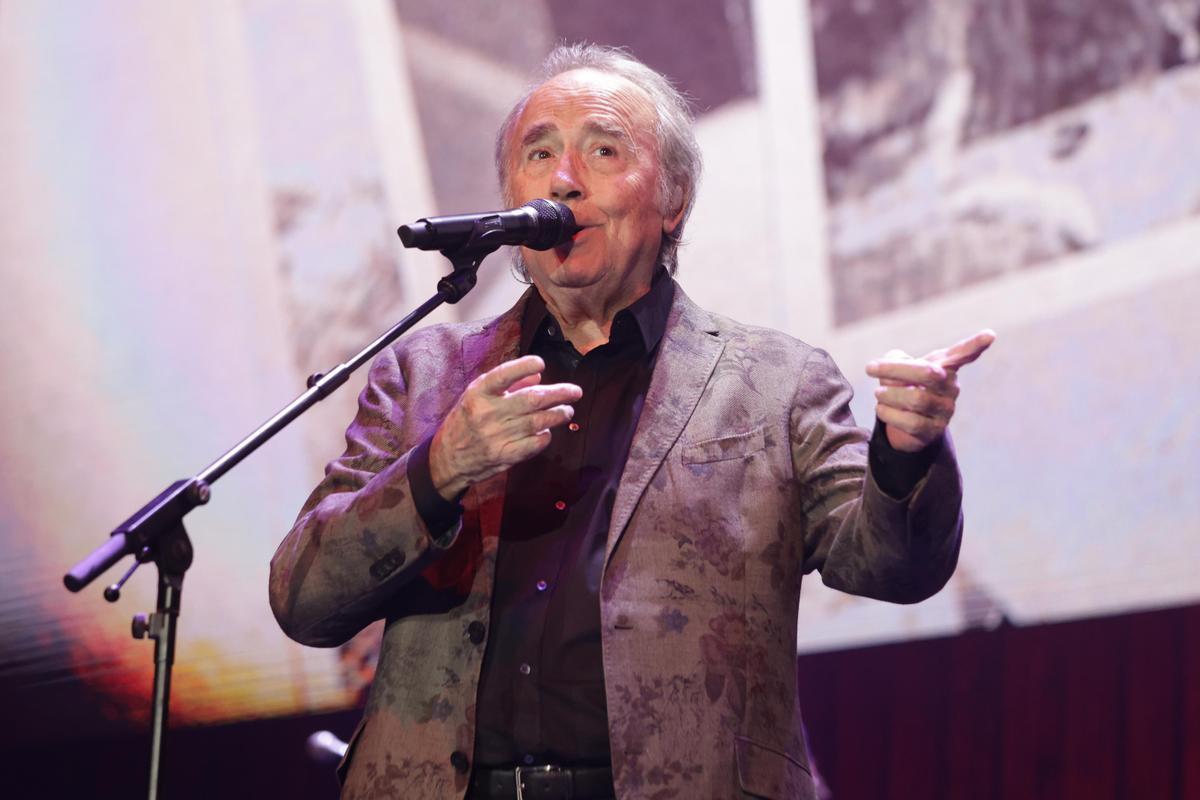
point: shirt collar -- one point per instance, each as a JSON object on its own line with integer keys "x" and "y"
{"x": 649, "y": 314}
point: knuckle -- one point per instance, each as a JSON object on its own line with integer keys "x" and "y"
{"x": 472, "y": 407}
{"x": 928, "y": 404}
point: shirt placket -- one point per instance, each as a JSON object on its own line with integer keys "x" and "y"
{"x": 565, "y": 366}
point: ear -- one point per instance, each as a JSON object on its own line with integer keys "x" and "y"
{"x": 674, "y": 218}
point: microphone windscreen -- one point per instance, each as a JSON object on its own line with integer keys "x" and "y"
{"x": 556, "y": 224}
{"x": 325, "y": 747}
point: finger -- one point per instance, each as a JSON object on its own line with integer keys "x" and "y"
{"x": 926, "y": 429}
{"x": 945, "y": 388}
{"x": 528, "y": 380}
{"x": 916, "y": 400}
{"x": 496, "y": 380}
{"x": 962, "y": 353}
{"x": 545, "y": 420}
{"x": 536, "y": 398}
{"x": 922, "y": 373}
{"x": 525, "y": 448}
{"x": 892, "y": 355}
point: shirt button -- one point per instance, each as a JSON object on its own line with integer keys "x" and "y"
{"x": 574, "y": 426}
{"x": 541, "y": 586}
{"x": 460, "y": 762}
{"x": 476, "y": 631}
{"x": 525, "y": 669}
{"x": 560, "y": 505}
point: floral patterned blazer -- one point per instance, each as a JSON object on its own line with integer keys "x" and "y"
{"x": 746, "y": 473}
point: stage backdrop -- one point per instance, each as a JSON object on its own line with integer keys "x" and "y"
{"x": 198, "y": 211}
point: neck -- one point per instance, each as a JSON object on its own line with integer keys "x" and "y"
{"x": 585, "y": 315}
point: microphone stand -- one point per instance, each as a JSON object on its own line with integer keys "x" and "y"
{"x": 156, "y": 533}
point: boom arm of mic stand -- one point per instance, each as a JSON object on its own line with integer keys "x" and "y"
{"x": 167, "y": 510}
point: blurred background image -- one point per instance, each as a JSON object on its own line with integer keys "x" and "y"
{"x": 199, "y": 211}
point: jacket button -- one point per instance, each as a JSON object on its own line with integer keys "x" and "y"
{"x": 458, "y": 760}
{"x": 476, "y": 631}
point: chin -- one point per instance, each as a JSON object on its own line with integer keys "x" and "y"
{"x": 574, "y": 274}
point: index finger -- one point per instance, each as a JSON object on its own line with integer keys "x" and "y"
{"x": 497, "y": 380}
{"x": 909, "y": 372}
{"x": 962, "y": 353}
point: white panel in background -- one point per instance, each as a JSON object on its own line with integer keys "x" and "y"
{"x": 140, "y": 274}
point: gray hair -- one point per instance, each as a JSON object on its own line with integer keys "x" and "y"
{"x": 678, "y": 152}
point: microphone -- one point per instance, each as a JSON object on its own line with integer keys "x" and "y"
{"x": 538, "y": 225}
{"x": 324, "y": 747}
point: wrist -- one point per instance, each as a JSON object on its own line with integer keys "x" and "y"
{"x": 446, "y": 480}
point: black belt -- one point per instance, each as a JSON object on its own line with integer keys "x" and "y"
{"x": 542, "y": 783}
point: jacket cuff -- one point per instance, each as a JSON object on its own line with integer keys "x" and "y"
{"x": 896, "y": 472}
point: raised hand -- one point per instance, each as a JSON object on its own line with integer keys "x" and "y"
{"x": 916, "y": 396}
{"x": 503, "y": 417}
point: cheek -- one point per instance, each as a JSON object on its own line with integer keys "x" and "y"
{"x": 528, "y": 177}
{"x": 638, "y": 183}
{"x": 521, "y": 187}
{"x": 634, "y": 195}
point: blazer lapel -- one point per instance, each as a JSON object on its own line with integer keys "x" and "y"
{"x": 690, "y": 350}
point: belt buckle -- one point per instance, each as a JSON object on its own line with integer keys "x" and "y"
{"x": 544, "y": 769}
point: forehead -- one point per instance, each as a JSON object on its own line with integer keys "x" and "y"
{"x": 583, "y": 96}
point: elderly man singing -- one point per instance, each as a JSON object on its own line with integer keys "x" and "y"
{"x": 586, "y": 521}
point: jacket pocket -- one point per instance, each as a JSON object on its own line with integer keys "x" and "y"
{"x": 724, "y": 448}
{"x": 770, "y": 773}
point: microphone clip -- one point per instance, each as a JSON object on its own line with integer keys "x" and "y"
{"x": 486, "y": 238}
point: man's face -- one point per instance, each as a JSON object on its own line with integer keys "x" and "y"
{"x": 585, "y": 138}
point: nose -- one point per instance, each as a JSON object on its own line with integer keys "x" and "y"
{"x": 566, "y": 183}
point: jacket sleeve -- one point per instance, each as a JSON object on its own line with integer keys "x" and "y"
{"x": 861, "y": 540}
{"x": 359, "y": 537}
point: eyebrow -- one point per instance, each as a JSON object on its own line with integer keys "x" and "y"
{"x": 608, "y": 129}
{"x": 536, "y": 133}
{"x": 542, "y": 129}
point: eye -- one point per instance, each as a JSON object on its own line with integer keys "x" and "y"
{"x": 607, "y": 151}
{"x": 540, "y": 154}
